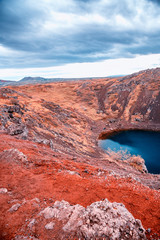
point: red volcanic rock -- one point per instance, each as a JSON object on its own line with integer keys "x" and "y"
{"x": 49, "y": 152}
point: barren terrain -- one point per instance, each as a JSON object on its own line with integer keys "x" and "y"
{"x": 49, "y": 151}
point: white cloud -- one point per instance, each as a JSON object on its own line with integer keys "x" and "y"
{"x": 123, "y": 15}
{"x": 121, "y": 66}
{"x": 4, "y": 51}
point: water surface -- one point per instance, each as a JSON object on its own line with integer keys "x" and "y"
{"x": 143, "y": 143}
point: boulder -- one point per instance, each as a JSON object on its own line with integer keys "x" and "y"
{"x": 101, "y": 219}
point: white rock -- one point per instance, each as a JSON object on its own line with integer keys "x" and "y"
{"x": 71, "y": 172}
{"x": 37, "y": 200}
{"x": 49, "y": 226}
{"x": 3, "y": 190}
{"x": 14, "y": 207}
{"x": 32, "y": 222}
{"x": 99, "y": 220}
{"x": 50, "y": 212}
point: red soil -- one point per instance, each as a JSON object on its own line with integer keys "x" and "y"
{"x": 56, "y": 126}
{"x": 50, "y": 181}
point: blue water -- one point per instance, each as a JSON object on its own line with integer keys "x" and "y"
{"x": 143, "y": 143}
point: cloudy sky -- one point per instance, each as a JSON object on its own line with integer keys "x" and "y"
{"x": 78, "y": 38}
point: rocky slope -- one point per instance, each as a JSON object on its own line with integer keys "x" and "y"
{"x": 49, "y": 151}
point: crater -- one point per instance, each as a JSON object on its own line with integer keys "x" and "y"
{"x": 135, "y": 142}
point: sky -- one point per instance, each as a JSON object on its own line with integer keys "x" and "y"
{"x": 78, "y": 38}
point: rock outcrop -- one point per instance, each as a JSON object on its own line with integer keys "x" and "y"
{"x": 13, "y": 155}
{"x": 100, "y": 220}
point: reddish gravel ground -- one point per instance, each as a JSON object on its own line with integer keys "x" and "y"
{"x": 60, "y": 179}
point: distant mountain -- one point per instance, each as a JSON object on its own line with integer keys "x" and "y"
{"x": 32, "y": 79}
{"x": 5, "y": 82}
{"x": 29, "y": 80}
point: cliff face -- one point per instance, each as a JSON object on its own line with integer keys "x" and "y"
{"x": 56, "y": 126}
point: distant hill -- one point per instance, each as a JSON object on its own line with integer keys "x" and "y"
{"x": 34, "y": 80}
{"x": 28, "y": 80}
{"x": 5, "y": 82}
{"x": 40, "y": 80}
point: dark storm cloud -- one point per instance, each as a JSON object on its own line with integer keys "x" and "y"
{"x": 16, "y": 24}
{"x": 46, "y": 33}
{"x": 155, "y": 1}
